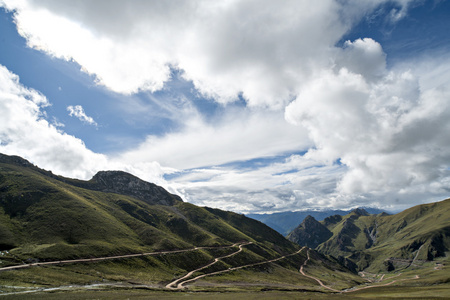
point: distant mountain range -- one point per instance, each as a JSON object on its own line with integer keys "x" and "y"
{"x": 285, "y": 222}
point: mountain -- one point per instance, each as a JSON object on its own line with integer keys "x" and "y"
{"x": 46, "y": 219}
{"x": 382, "y": 242}
{"x": 285, "y": 222}
{"x": 310, "y": 233}
{"x": 114, "y": 207}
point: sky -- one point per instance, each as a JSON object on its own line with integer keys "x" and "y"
{"x": 249, "y": 106}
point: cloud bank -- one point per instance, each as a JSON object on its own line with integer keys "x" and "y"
{"x": 258, "y": 49}
{"x": 367, "y": 132}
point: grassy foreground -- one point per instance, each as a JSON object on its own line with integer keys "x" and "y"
{"x": 394, "y": 292}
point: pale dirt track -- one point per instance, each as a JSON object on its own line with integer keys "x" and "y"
{"x": 378, "y": 285}
{"x": 180, "y": 285}
{"x": 180, "y": 282}
{"x": 354, "y": 289}
{"x": 314, "y": 278}
{"x": 70, "y": 261}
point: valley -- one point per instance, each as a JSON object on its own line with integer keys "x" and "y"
{"x": 181, "y": 283}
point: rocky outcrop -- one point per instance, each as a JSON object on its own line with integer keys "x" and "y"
{"x": 126, "y": 184}
{"x": 360, "y": 212}
{"x": 332, "y": 220}
{"x": 310, "y": 233}
{"x": 16, "y": 160}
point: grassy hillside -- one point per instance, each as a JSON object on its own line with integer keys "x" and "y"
{"x": 45, "y": 218}
{"x": 389, "y": 242}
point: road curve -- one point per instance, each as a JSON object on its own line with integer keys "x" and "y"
{"x": 69, "y": 261}
{"x": 181, "y": 284}
{"x": 314, "y": 278}
{"x": 178, "y": 284}
{"x": 353, "y": 289}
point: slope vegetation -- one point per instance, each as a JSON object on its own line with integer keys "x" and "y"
{"x": 385, "y": 242}
{"x": 116, "y": 227}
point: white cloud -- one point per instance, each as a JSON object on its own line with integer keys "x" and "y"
{"x": 260, "y": 49}
{"x": 388, "y": 130}
{"x": 25, "y": 131}
{"x": 375, "y": 133}
{"x": 291, "y": 183}
{"x": 78, "y": 111}
{"x": 363, "y": 56}
{"x": 238, "y": 135}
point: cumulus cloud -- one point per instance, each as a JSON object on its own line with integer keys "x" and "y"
{"x": 257, "y": 49}
{"x": 279, "y": 184}
{"x": 78, "y": 112}
{"x": 387, "y": 129}
{"x": 25, "y": 131}
{"x": 369, "y": 131}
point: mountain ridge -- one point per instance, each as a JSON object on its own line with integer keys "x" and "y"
{"x": 45, "y": 218}
{"x": 385, "y": 242}
{"x": 309, "y": 233}
{"x": 112, "y": 181}
{"x": 57, "y": 232}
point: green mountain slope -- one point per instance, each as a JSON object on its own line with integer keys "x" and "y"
{"x": 310, "y": 233}
{"x": 389, "y": 242}
{"x": 112, "y": 213}
{"x": 48, "y": 218}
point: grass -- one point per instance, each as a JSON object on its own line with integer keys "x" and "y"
{"x": 421, "y": 232}
{"x": 44, "y": 217}
{"x": 434, "y": 292}
{"x": 47, "y": 218}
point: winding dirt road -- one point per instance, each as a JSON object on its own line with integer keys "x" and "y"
{"x": 314, "y": 278}
{"x": 70, "y": 261}
{"x": 181, "y": 284}
{"x": 353, "y": 289}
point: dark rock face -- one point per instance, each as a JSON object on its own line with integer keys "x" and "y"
{"x": 332, "y": 220}
{"x": 17, "y": 160}
{"x": 126, "y": 184}
{"x": 360, "y": 212}
{"x": 310, "y": 233}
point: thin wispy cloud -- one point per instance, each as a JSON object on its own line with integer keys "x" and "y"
{"x": 78, "y": 112}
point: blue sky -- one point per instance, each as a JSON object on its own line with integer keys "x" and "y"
{"x": 245, "y": 106}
